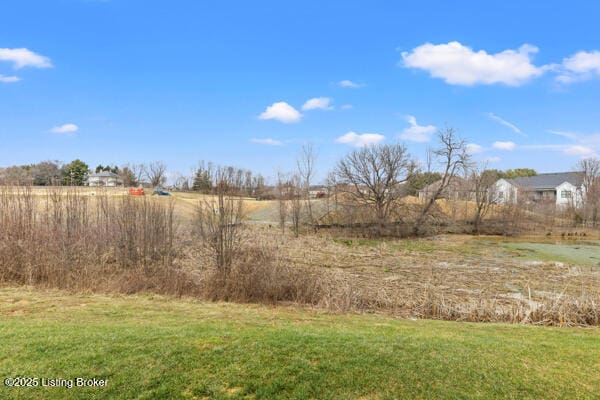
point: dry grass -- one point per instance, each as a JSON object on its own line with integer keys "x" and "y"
{"x": 71, "y": 240}
{"x": 456, "y": 277}
{"x": 187, "y": 202}
{"x": 450, "y": 277}
{"x": 67, "y": 239}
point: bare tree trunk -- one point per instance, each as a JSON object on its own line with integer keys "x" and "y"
{"x": 296, "y": 203}
{"x": 282, "y": 196}
{"x": 306, "y": 170}
{"x": 454, "y": 157}
{"x": 590, "y": 196}
{"x": 219, "y": 222}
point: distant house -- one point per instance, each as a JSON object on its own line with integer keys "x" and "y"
{"x": 458, "y": 189}
{"x": 103, "y": 178}
{"x": 561, "y": 188}
{"x": 317, "y": 191}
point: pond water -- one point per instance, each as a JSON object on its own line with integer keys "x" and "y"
{"x": 582, "y": 253}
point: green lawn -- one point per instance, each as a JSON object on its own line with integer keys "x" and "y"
{"x": 158, "y": 348}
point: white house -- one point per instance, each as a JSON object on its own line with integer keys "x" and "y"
{"x": 561, "y": 188}
{"x": 103, "y": 178}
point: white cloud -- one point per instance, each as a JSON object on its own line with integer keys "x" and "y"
{"x": 9, "y": 79}
{"x": 579, "y": 67}
{"x": 281, "y": 111}
{"x": 585, "y": 145}
{"x": 508, "y": 146}
{"x": 268, "y": 142}
{"x": 493, "y": 159}
{"x": 346, "y": 106}
{"x": 460, "y": 65}
{"x": 417, "y": 133}
{"x": 346, "y": 83}
{"x": 568, "y": 135}
{"x": 318, "y": 103}
{"x": 589, "y": 139}
{"x": 65, "y": 129}
{"x": 579, "y": 150}
{"x": 567, "y": 149}
{"x": 24, "y": 58}
{"x": 364, "y": 139}
{"x": 474, "y": 148}
{"x": 504, "y": 122}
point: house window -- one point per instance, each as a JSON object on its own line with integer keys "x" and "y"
{"x": 500, "y": 195}
{"x": 565, "y": 194}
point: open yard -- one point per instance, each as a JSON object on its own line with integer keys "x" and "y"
{"x": 151, "y": 347}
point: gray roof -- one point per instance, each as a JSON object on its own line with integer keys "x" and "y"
{"x": 547, "y": 181}
{"x": 102, "y": 174}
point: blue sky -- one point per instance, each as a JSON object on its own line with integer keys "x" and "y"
{"x": 119, "y": 81}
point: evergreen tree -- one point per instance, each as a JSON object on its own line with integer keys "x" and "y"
{"x": 75, "y": 173}
{"x": 202, "y": 181}
{"x": 127, "y": 177}
{"x": 519, "y": 172}
{"x": 419, "y": 180}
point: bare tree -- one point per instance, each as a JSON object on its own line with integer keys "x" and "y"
{"x": 306, "y": 170}
{"x": 46, "y": 173}
{"x": 331, "y": 185}
{"x": 453, "y": 158}
{"x": 428, "y": 159}
{"x": 182, "y": 182}
{"x": 258, "y": 185}
{"x": 295, "y": 196}
{"x": 133, "y": 174}
{"x": 373, "y": 175}
{"x": 590, "y": 168}
{"x": 482, "y": 184}
{"x": 155, "y": 172}
{"x": 219, "y": 221}
{"x": 282, "y": 197}
{"x": 248, "y": 187}
{"x": 128, "y": 176}
{"x": 15, "y": 176}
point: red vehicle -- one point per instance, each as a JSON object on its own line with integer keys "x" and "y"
{"x": 136, "y": 192}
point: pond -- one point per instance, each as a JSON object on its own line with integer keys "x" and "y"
{"x": 579, "y": 253}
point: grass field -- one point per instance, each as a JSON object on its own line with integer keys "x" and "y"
{"x": 185, "y": 203}
{"x": 161, "y": 348}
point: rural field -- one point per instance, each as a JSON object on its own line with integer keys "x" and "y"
{"x": 533, "y": 277}
{"x": 325, "y": 314}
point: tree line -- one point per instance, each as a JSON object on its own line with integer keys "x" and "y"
{"x": 370, "y": 180}
{"x": 76, "y": 172}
